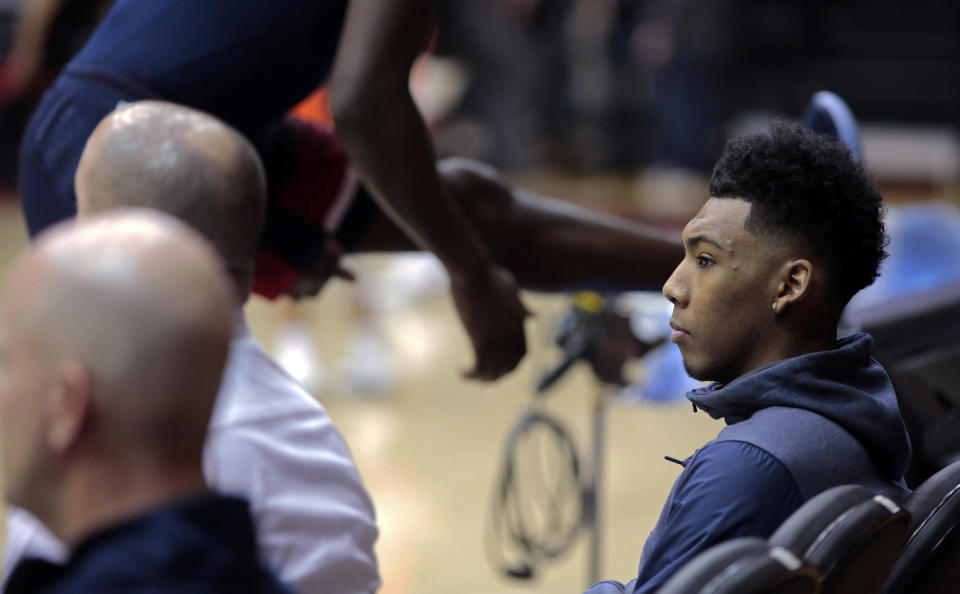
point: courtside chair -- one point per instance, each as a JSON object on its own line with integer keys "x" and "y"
{"x": 930, "y": 561}
{"x": 851, "y": 535}
{"x": 744, "y": 566}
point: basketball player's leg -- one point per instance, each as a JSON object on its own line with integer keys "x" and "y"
{"x": 51, "y": 147}
{"x": 49, "y": 153}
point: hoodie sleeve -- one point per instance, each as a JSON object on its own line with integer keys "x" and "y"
{"x": 728, "y": 489}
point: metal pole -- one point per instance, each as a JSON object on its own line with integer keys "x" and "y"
{"x": 593, "y": 491}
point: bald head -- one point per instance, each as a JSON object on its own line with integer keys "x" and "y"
{"x": 115, "y": 333}
{"x": 183, "y": 162}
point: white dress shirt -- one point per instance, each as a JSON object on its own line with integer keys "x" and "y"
{"x": 272, "y": 443}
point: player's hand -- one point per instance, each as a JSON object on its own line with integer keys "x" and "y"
{"x": 328, "y": 266}
{"x": 492, "y": 314}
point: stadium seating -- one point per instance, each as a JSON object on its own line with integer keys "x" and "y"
{"x": 850, "y": 535}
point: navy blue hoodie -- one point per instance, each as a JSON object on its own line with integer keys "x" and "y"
{"x": 794, "y": 428}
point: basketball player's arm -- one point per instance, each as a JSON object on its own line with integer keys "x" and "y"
{"x": 546, "y": 244}
{"x": 387, "y": 142}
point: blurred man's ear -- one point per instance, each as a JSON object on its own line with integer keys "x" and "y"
{"x": 796, "y": 277}
{"x": 69, "y": 405}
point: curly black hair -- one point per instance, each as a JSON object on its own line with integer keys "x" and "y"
{"x": 807, "y": 186}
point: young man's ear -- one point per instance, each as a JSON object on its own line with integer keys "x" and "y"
{"x": 69, "y": 405}
{"x": 795, "y": 284}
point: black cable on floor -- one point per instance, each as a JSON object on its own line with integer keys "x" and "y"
{"x": 537, "y": 505}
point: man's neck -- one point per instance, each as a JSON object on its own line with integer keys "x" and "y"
{"x": 97, "y": 497}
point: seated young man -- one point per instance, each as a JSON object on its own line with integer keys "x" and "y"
{"x": 793, "y": 229}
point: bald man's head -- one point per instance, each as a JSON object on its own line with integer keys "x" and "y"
{"x": 115, "y": 333}
{"x": 183, "y": 162}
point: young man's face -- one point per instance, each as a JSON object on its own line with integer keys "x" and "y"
{"x": 723, "y": 292}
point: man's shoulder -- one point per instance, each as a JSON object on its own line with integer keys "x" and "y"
{"x": 203, "y": 543}
{"x": 269, "y": 438}
{"x": 818, "y": 452}
{"x": 256, "y": 389}
{"x": 734, "y": 485}
{"x": 791, "y": 435}
{"x": 778, "y": 423}
{"x": 264, "y": 418}
{"x": 737, "y": 470}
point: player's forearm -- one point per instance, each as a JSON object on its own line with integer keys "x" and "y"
{"x": 389, "y": 147}
{"x": 387, "y": 142}
{"x": 384, "y": 134}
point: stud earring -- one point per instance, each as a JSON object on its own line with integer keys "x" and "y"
{"x": 774, "y": 306}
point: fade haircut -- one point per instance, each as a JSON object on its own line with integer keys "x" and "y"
{"x": 806, "y": 186}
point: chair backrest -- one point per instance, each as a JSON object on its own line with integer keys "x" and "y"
{"x": 828, "y": 114}
{"x": 930, "y": 561}
{"x": 744, "y": 566}
{"x": 850, "y": 535}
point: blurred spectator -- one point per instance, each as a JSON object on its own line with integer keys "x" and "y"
{"x": 516, "y": 56}
{"x": 47, "y": 33}
{"x": 104, "y": 422}
{"x": 596, "y": 85}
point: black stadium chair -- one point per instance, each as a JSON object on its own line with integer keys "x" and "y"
{"x": 930, "y": 562}
{"x": 744, "y": 566}
{"x": 850, "y": 535}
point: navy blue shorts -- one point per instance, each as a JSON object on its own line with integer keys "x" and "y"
{"x": 52, "y": 144}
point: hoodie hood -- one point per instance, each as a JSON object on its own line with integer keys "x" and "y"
{"x": 845, "y": 385}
